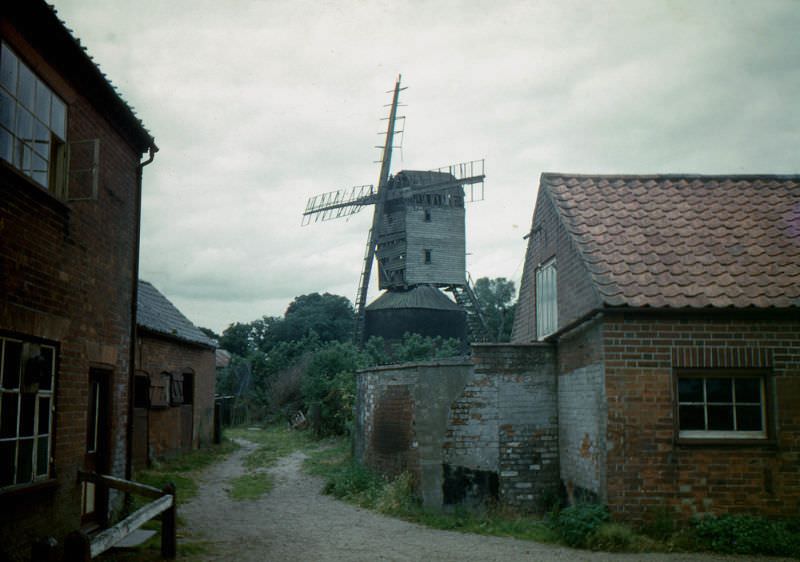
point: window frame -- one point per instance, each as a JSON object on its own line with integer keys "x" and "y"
{"x": 37, "y": 479}
{"x": 726, "y": 437}
{"x": 546, "y": 325}
{"x": 53, "y": 177}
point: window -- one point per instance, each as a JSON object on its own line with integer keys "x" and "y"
{"x": 176, "y": 390}
{"x": 427, "y": 256}
{"x": 427, "y": 215}
{"x": 160, "y": 390}
{"x": 718, "y": 406}
{"x": 546, "y": 299}
{"x": 33, "y": 123}
{"x": 27, "y": 372}
{"x": 141, "y": 391}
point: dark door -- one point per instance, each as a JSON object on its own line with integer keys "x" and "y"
{"x": 94, "y": 499}
{"x": 187, "y": 412}
{"x": 141, "y": 404}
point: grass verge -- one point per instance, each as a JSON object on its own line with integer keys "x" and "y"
{"x": 273, "y": 442}
{"x": 353, "y": 483}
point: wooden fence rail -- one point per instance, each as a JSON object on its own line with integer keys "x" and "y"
{"x": 79, "y": 547}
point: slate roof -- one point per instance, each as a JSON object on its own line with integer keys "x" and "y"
{"x": 156, "y": 314}
{"x": 685, "y": 240}
{"x": 421, "y": 296}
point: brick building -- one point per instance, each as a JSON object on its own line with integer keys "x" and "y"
{"x": 654, "y": 363}
{"x": 70, "y": 151}
{"x": 175, "y": 376}
{"x": 674, "y": 305}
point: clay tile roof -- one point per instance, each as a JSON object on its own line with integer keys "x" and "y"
{"x": 156, "y": 314}
{"x": 685, "y": 241}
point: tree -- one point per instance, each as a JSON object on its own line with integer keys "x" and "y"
{"x": 329, "y": 316}
{"x": 496, "y": 298}
{"x": 236, "y": 339}
{"x": 209, "y": 332}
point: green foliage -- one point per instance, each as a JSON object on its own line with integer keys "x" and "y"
{"x": 616, "y": 537}
{"x": 209, "y": 333}
{"x": 746, "y": 534}
{"x": 250, "y": 486}
{"x": 415, "y": 347}
{"x": 577, "y": 523}
{"x": 329, "y": 387}
{"x": 496, "y": 298}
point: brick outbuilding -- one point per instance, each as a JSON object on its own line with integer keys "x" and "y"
{"x": 175, "y": 377}
{"x": 70, "y": 192}
{"x": 674, "y": 304}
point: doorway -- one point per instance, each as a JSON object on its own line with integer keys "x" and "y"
{"x": 94, "y": 499}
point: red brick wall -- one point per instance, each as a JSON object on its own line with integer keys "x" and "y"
{"x": 66, "y": 276}
{"x": 647, "y": 467}
{"x": 156, "y": 354}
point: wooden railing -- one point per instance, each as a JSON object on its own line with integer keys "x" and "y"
{"x": 79, "y": 547}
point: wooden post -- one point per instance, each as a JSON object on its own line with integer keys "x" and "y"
{"x": 217, "y": 424}
{"x": 77, "y": 547}
{"x": 169, "y": 539}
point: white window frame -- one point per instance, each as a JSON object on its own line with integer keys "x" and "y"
{"x": 546, "y": 299}
{"x": 41, "y": 437}
{"x": 733, "y": 433}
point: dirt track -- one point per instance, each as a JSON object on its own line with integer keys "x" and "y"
{"x": 296, "y": 522}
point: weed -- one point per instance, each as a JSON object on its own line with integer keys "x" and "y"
{"x": 250, "y": 486}
{"x": 273, "y": 443}
{"x": 576, "y": 524}
{"x": 746, "y": 534}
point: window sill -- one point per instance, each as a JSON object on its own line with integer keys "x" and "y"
{"x": 26, "y": 489}
{"x": 690, "y": 442}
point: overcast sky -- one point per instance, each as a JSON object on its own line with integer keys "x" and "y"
{"x": 257, "y": 105}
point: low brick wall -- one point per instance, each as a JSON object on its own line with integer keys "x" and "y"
{"x": 468, "y": 430}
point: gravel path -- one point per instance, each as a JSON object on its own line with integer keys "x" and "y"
{"x": 296, "y": 522}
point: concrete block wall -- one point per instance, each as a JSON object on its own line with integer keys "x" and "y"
{"x": 469, "y": 431}
{"x": 582, "y": 413}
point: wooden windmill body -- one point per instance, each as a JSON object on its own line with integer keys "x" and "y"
{"x": 417, "y": 232}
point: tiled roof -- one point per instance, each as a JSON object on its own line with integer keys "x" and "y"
{"x": 685, "y": 240}
{"x": 157, "y": 314}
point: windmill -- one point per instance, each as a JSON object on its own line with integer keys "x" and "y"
{"x": 417, "y": 231}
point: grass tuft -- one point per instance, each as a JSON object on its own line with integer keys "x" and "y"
{"x": 251, "y": 486}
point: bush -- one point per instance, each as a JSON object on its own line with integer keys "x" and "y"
{"x": 576, "y": 524}
{"x": 746, "y": 534}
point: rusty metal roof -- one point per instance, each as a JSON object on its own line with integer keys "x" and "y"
{"x": 685, "y": 240}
